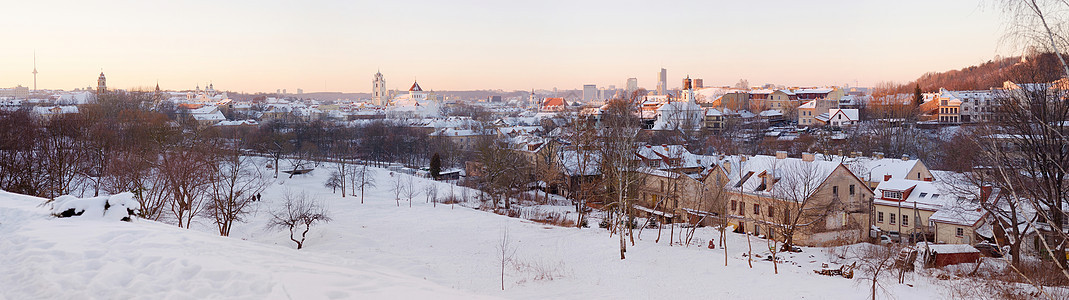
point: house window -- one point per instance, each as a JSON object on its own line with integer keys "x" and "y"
{"x": 892, "y": 219}
{"x": 742, "y": 208}
{"x": 960, "y": 232}
{"x": 892, "y": 195}
{"x": 771, "y": 211}
{"x": 835, "y": 190}
{"x": 851, "y": 190}
{"x": 905, "y": 220}
{"x": 757, "y": 209}
{"x": 922, "y": 195}
{"x": 879, "y": 217}
{"x": 757, "y": 230}
{"x": 733, "y": 205}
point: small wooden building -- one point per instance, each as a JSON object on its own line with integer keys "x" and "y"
{"x": 940, "y": 255}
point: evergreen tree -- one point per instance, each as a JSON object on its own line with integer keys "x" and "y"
{"x": 436, "y": 166}
{"x": 917, "y": 97}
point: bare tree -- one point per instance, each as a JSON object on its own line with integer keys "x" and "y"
{"x": 235, "y": 183}
{"x": 504, "y": 172}
{"x": 1039, "y": 23}
{"x": 797, "y": 194}
{"x": 186, "y": 168}
{"x": 398, "y": 188}
{"x": 361, "y": 179}
{"x": 875, "y": 263}
{"x": 1033, "y": 163}
{"x": 619, "y": 168}
{"x": 410, "y": 190}
{"x": 505, "y": 253}
{"x": 431, "y": 191}
{"x": 299, "y": 213}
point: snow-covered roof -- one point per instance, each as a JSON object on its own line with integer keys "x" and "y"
{"x": 850, "y": 114}
{"x": 927, "y": 195}
{"x": 583, "y": 162}
{"x": 813, "y": 91}
{"x": 673, "y": 152}
{"x": 56, "y": 110}
{"x": 962, "y": 213}
{"x": 713, "y": 112}
{"x": 952, "y": 248}
{"x": 457, "y": 132}
{"x": 789, "y": 176}
{"x": 874, "y": 169}
{"x": 238, "y": 123}
{"x": 771, "y": 113}
{"x": 810, "y": 104}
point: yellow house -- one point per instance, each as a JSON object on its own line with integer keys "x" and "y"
{"x": 928, "y": 211}
{"x": 820, "y": 201}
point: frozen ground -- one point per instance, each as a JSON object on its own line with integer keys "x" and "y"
{"x": 377, "y": 250}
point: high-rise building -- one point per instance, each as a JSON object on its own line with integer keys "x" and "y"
{"x": 686, "y": 83}
{"x": 378, "y": 90}
{"x": 697, "y": 83}
{"x": 101, "y": 84}
{"x": 632, "y": 85}
{"x": 35, "y": 71}
{"x": 590, "y": 92}
{"x": 662, "y": 82}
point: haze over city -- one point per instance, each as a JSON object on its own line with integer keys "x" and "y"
{"x": 261, "y": 46}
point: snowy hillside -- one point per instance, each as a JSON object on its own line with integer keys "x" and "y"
{"x": 50, "y": 258}
{"x": 378, "y": 250}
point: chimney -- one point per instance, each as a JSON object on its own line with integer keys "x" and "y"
{"x": 648, "y": 146}
{"x": 886, "y": 177}
{"x": 742, "y": 158}
{"x": 929, "y": 179}
{"x": 840, "y": 152}
{"x": 806, "y": 156}
{"x": 879, "y": 155}
{"x": 905, "y": 156}
{"x": 781, "y": 154}
{"x": 985, "y": 192}
{"x": 853, "y": 154}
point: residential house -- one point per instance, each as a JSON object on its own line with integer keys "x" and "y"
{"x": 765, "y": 190}
{"x": 714, "y": 119}
{"x": 929, "y": 211}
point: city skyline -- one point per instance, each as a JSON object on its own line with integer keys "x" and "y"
{"x": 328, "y": 46}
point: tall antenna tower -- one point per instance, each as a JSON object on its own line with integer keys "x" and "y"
{"x": 34, "y": 70}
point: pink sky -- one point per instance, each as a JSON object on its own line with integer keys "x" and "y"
{"x": 461, "y": 45}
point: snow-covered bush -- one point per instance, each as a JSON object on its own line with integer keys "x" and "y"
{"x": 118, "y": 207}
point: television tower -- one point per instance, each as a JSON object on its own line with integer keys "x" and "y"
{"x": 35, "y": 71}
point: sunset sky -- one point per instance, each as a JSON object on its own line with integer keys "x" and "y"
{"x": 321, "y": 45}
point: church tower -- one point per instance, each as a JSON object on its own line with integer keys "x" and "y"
{"x": 378, "y": 90}
{"x": 101, "y": 84}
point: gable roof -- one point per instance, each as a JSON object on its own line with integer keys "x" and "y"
{"x": 789, "y": 176}
{"x": 553, "y": 102}
{"x": 415, "y": 87}
{"x": 850, "y": 114}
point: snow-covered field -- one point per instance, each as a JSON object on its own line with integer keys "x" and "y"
{"x": 378, "y": 250}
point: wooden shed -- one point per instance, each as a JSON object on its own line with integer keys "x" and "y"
{"x": 939, "y": 255}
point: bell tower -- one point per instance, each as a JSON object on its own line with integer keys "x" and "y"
{"x": 378, "y": 89}
{"x": 101, "y": 84}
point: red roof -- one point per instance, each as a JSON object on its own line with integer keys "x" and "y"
{"x": 553, "y": 102}
{"x": 415, "y": 87}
